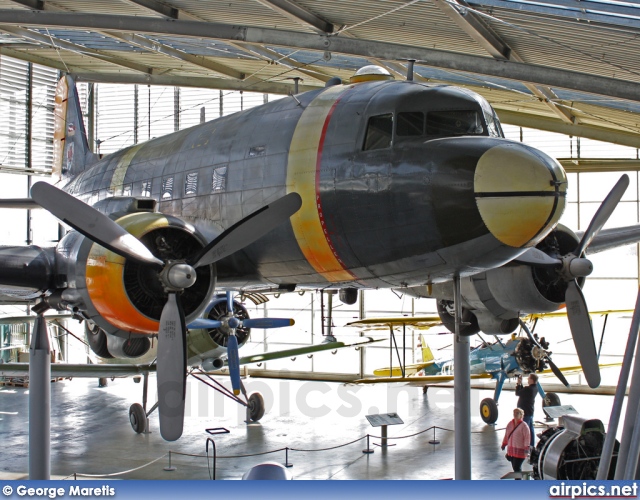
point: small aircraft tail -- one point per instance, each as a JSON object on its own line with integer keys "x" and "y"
{"x": 71, "y": 152}
{"x": 427, "y": 355}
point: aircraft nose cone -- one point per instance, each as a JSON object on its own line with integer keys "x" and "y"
{"x": 520, "y": 193}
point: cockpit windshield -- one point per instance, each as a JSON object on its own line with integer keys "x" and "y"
{"x": 454, "y": 122}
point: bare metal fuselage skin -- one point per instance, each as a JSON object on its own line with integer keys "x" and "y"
{"x": 418, "y": 211}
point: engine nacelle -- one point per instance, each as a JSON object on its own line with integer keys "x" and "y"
{"x": 122, "y": 296}
{"x": 499, "y": 296}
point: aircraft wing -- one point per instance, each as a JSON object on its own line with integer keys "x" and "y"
{"x": 563, "y": 314}
{"x": 417, "y": 322}
{"x": 78, "y": 370}
{"x": 571, "y": 370}
{"x": 611, "y": 238}
{"x": 287, "y": 353}
{"x": 409, "y": 370}
{"x": 427, "y": 379}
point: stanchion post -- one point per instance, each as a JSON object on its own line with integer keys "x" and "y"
{"x": 368, "y": 449}
{"x": 434, "y": 440}
{"x": 169, "y": 468}
{"x": 286, "y": 458}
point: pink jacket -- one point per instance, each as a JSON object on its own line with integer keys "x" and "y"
{"x": 519, "y": 439}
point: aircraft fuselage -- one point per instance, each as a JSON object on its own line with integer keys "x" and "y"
{"x": 402, "y": 184}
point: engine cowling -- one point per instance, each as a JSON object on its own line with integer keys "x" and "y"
{"x": 499, "y": 296}
{"x": 124, "y": 297}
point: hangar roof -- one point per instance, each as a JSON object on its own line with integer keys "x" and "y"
{"x": 569, "y": 66}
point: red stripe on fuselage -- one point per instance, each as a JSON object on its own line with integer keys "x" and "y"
{"x": 318, "y": 199}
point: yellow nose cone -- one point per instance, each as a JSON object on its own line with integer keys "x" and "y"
{"x": 520, "y": 193}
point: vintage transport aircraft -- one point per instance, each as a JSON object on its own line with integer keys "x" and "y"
{"x": 373, "y": 184}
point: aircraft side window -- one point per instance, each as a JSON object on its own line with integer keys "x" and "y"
{"x": 219, "y": 179}
{"x": 191, "y": 184}
{"x": 126, "y": 190}
{"x": 410, "y": 124}
{"x": 379, "y": 132}
{"x": 454, "y": 122}
{"x": 146, "y": 189}
{"x": 167, "y": 188}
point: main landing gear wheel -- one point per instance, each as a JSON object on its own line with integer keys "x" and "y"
{"x": 137, "y": 417}
{"x": 551, "y": 399}
{"x": 489, "y": 411}
{"x": 103, "y": 382}
{"x": 256, "y": 406}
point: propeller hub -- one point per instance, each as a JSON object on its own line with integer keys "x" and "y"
{"x": 580, "y": 267}
{"x": 234, "y": 322}
{"x": 177, "y": 276}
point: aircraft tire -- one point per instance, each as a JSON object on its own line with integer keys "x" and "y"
{"x": 137, "y": 417}
{"x": 103, "y": 382}
{"x": 489, "y": 411}
{"x": 449, "y": 321}
{"x": 551, "y": 399}
{"x": 256, "y": 406}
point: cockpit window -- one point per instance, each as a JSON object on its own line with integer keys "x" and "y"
{"x": 379, "y": 132}
{"x": 493, "y": 124}
{"x": 410, "y": 124}
{"x": 454, "y": 122}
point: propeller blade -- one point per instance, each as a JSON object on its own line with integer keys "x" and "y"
{"x": 556, "y": 371}
{"x": 267, "y": 322}
{"x": 602, "y": 215}
{"x": 90, "y": 222}
{"x": 202, "y": 323}
{"x": 234, "y": 363}
{"x": 230, "y": 302}
{"x": 172, "y": 369}
{"x": 582, "y": 333}
{"x": 249, "y": 229}
{"x": 536, "y": 257}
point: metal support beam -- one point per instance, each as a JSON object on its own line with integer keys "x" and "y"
{"x": 461, "y": 392}
{"x": 474, "y": 26}
{"x": 31, "y": 4}
{"x": 624, "y": 15}
{"x": 160, "y": 48}
{"x": 40, "y": 402}
{"x": 615, "y": 136}
{"x": 525, "y": 72}
{"x": 29, "y": 56}
{"x": 72, "y": 47}
{"x": 190, "y": 81}
{"x": 299, "y": 14}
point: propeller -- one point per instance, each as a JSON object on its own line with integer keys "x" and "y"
{"x": 570, "y": 268}
{"x": 230, "y": 323}
{"x": 545, "y": 355}
{"x": 175, "y": 277}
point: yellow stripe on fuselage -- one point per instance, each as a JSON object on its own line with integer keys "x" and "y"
{"x": 121, "y": 169}
{"x": 303, "y": 164}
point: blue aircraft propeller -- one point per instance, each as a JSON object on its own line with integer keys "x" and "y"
{"x": 176, "y": 276}
{"x": 232, "y": 323}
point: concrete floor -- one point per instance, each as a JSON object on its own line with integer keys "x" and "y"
{"x": 91, "y": 434}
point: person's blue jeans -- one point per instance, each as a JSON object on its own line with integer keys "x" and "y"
{"x": 529, "y": 421}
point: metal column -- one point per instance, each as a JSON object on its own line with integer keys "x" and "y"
{"x": 40, "y": 402}
{"x": 461, "y": 394}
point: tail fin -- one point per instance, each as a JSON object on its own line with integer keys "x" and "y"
{"x": 71, "y": 152}
{"x": 427, "y": 355}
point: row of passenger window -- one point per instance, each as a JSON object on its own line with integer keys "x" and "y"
{"x": 191, "y": 179}
{"x": 432, "y": 124}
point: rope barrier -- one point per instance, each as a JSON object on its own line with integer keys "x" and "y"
{"x": 285, "y": 449}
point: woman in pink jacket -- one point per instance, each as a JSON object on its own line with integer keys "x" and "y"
{"x": 517, "y": 438}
